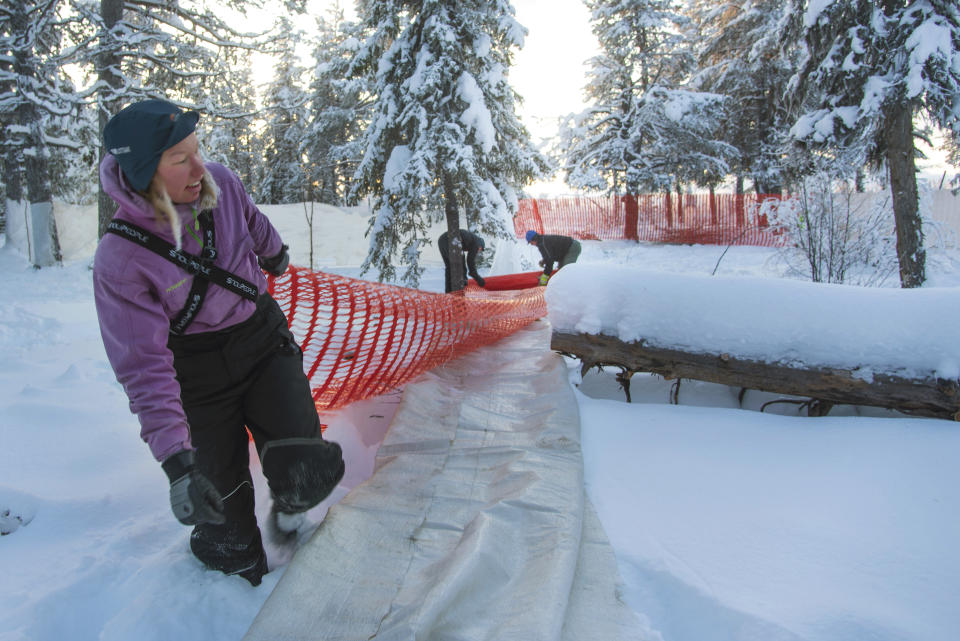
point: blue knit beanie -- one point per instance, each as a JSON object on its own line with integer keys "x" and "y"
{"x": 531, "y": 235}
{"x": 141, "y": 132}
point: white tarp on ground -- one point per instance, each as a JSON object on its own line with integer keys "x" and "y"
{"x": 474, "y": 525}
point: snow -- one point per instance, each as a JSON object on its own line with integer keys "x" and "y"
{"x": 396, "y": 166}
{"x": 764, "y": 319}
{"x": 875, "y": 91}
{"x": 820, "y": 124}
{"x": 680, "y": 103}
{"x": 932, "y": 39}
{"x": 476, "y": 116}
{"x": 728, "y": 524}
{"x": 814, "y": 9}
{"x": 738, "y": 525}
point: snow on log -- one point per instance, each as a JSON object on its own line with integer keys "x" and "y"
{"x": 884, "y": 347}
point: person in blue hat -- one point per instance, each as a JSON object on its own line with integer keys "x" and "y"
{"x": 202, "y": 350}
{"x": 554, "y": 248}
{"x": 471, "y": 245}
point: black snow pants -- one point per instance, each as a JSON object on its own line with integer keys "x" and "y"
{"x": 250, "y": 376}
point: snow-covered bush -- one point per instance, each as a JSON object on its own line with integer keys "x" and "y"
{"x": 838, "y": 235}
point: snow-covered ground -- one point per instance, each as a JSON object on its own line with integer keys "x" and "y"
{"x": 728, "y": 523}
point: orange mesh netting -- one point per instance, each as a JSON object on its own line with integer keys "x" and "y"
{"x": 361, "y": 339}
{"x": 718, "y": 219}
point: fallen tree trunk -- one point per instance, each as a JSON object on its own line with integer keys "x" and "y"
{"x": 931, "y": 397}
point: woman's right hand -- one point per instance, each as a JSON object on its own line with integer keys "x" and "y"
{"x": 193, "y": 497}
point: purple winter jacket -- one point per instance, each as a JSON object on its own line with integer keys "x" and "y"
{"x": 137, "y": 293}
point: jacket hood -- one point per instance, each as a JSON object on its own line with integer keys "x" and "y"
{"x": 116, "y": 186}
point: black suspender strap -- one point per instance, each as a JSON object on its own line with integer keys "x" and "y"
{"x": 198, "y": 291}
{"x": 201, "y": 266}
{"x": 198, "y": 288}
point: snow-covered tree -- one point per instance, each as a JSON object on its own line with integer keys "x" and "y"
{"x": 443, "y": 135}
{"x": 229, "y": 135}
{"x": 73, "y": 139}
{"x": 339, "y": 110}
{"x": 30, "y": 78}
{"x": 669, "y": 140}
{"x": 286, "y": 110}
{"x": 679, "y": 129}
{"x": 642, "y": 130}
{"x": 739, "y": 55}
{"x": 641, "y": 48}
{"x": 867, "y": 70}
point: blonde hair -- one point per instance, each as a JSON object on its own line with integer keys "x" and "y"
{"x": 164, "y": 210}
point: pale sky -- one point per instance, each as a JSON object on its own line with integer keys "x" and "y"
{"x": 550, "y": 71}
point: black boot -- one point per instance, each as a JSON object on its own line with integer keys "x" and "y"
{"x": 255, "y": 573}
{"x": 236, "y": 546}
{"x": 301, "y": 472}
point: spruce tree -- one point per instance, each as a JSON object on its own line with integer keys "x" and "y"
{"x": 739, "y": 55}
{"x": 642, "y": 130}
{"x": 869, "y": 68}
{"x": 443, "y": 135}
{"x": 339, "y": 111}
{"x": 228, "y": 134}
{"x": 31, "y": 80}
{"x": 640, "y": 49}
{"x": 286, "y": 114}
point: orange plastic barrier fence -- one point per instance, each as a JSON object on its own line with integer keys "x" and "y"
{"x": 361, "y": 339}
{"x": 721, "y": 219}
{"x": 523, "y": 280}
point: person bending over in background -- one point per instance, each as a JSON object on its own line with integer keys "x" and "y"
{"x": 202, "y": 350}
{"x": 554, "y": 249}
{"x": 471, "y": 244}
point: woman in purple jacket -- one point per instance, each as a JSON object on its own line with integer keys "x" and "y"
{"x": 201, "y": 349}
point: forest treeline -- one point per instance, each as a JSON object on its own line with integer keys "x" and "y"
{"x": 410, "y": 103}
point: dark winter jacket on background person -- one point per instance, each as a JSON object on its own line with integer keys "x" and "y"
{"x": 138, "y": 292}
{"x": 471, "y": 244}
{"x": 552, "y": 248}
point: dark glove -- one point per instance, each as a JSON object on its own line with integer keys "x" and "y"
{"x": 276, "y": 265}
{"x": 192, "y": 496}
{"x": 480, "y": 281}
